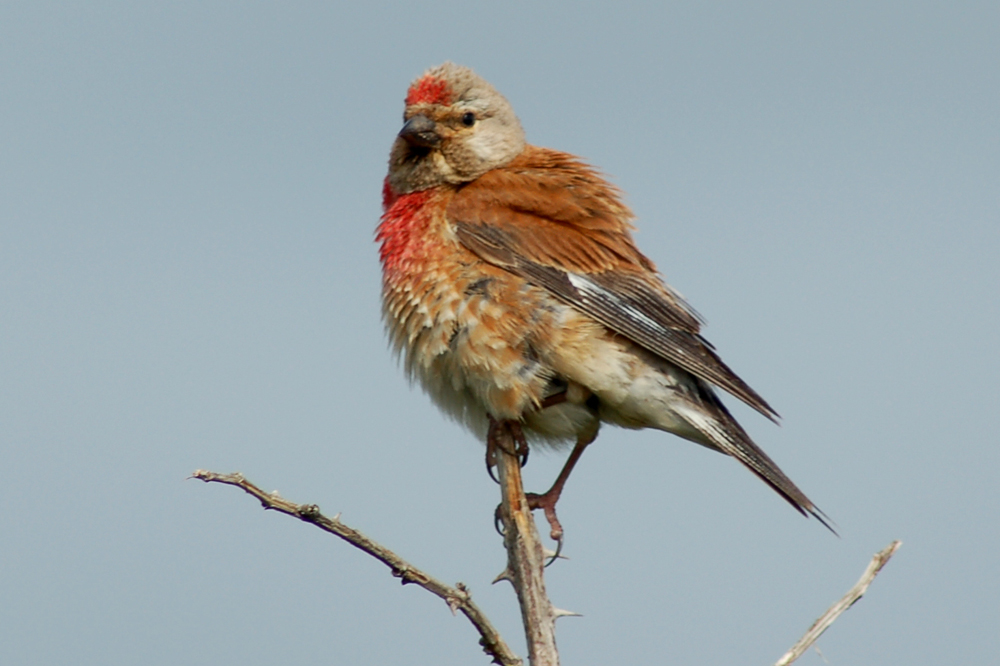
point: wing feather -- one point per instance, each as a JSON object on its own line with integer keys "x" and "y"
{"x": 555, "y": 222}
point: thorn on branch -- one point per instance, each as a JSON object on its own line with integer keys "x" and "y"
{"x": 457, "y": 597}
{"x": 504, "y": 575}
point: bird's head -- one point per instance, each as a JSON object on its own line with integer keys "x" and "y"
{"x": 456, "y": 127}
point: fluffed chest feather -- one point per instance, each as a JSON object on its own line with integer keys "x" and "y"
{"x": 473, "y": 335}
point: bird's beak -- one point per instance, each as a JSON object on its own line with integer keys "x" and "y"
{"x": 420, "y": 131}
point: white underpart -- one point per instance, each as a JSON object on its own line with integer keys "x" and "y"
{"x": 638, "y": 389}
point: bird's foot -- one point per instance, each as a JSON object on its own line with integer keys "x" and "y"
{"x": 501, "y": 435}
{"x": 547, "y": 503}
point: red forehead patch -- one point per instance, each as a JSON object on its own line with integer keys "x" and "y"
{"x": 429, "y": 90}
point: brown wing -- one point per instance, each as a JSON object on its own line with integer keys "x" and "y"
{"x": 552, "y": 220}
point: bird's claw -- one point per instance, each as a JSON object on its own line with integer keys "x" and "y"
{"x": 491, "y": 460}
{"x": 547, "y": 502}
{"x": 495, "y": 440}
{"x": 556, "y": 555}
{"x": 498, "y": 520}
{"x": 556, "y": 533}
{"x": 520, "y": 442}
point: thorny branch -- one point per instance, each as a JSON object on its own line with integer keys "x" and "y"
{"x": 855, "y": 593}
{"x": 526, "y": 563}
{"x": 524, "y": 569}
{"x": 458, "y": 597}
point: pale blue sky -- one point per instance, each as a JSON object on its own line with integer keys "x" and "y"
{"x": 188, "y": 193}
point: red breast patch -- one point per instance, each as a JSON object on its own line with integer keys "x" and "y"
{"x": 401, "y": 230}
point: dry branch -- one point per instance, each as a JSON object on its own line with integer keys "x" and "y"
{"x": 458, "y": 597}
{"x": 526, "y": 562}
{"x": 525, "y": 568}
{"x": 842, "y": 605}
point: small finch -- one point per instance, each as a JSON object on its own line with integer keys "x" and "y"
{"x": 518, "y": 299}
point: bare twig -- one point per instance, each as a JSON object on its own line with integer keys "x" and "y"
{"x": 836, "y": 609}
{"x": 526, "y": 562}
{"x": 458, "y": 597}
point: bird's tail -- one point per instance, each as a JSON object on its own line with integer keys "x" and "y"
{"x": 713, "y": 421}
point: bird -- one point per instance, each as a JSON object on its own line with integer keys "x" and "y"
{"x": 515, "y": 295}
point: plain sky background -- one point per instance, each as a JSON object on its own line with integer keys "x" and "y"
{"x": 188, "y": 279}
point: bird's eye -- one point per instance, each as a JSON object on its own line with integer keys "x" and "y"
{"x": 468, "y": 119}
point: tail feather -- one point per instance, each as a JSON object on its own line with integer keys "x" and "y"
{"x": 715, "y": 423}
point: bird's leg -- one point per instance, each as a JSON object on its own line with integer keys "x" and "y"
{"x": 554, "y": 399}
{"x": 495, "y": 438}
{"x": 495, "y": 435}
{"x": 492, "y": 436}
{"x": 547, "y": 500}
{"x": 521, "y": 448}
